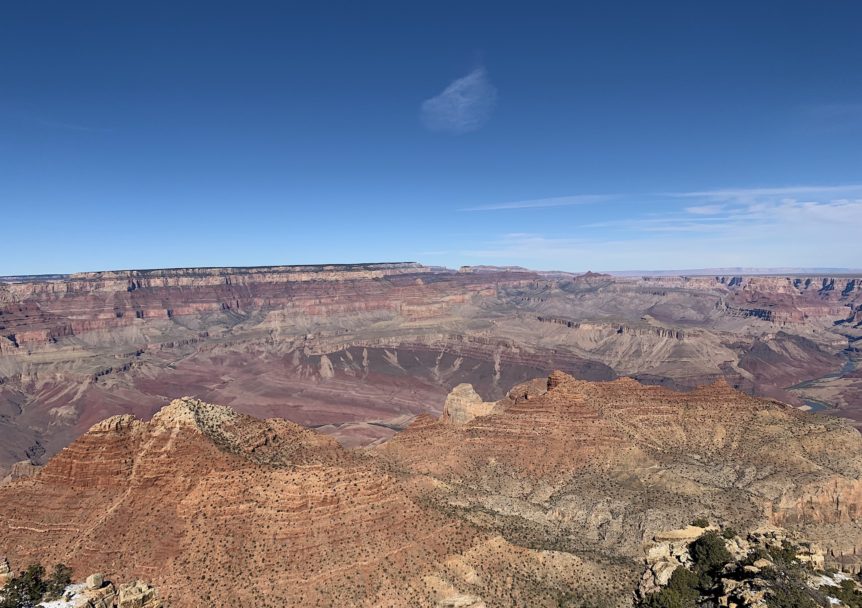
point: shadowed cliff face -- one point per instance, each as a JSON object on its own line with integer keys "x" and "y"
{"x": 357, "y": 350}
{"x": 543, "y": 499}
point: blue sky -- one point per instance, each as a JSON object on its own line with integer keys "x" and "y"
{"x": 569, "y": 136}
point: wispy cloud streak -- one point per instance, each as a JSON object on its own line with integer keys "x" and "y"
{"x": 559, "y": 201}
{"x": 744, "y": 194}
{"x": 793, "y": 226}
{"x": 463, "y": 106}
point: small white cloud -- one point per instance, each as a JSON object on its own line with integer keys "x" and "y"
{"x": 705, "y": 209}
{"x": 464, "y": 106}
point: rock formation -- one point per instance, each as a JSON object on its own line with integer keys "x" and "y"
{"x": 5, "y": 572}
{"x": 356, "y": 349}
{"x": 464, "y": 404}
{"x": 546, "y": 500}
{"x": 764, "y": 568}
{"x": 20, "y": 470}
{"x": 609, "y": 465}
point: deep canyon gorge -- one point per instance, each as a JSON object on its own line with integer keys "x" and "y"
{"x": 356, "y": 351}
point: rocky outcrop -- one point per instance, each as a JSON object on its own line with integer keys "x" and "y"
{"x": 464, "y": 404}
{"x": 5, "y": 572}
{"x": 668, "y": 551}
{"x": 528, "y": 390}
{"x": 621, "y": 462}
{"x": 95, "y": 592}
{"x": 20, "y": 470}
{"x": 138, "y": 595}
{"x": 552, "y": 494}
{"x": 765, "y": 567}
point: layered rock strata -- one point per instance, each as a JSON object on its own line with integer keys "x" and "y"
{"x": 355, "y": 350}
{"x": 547, "y": 499}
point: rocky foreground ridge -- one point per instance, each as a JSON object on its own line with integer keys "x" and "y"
{"x": 550, "y": 497}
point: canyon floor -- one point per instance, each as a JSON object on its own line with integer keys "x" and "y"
{"x": 357, "y": 351}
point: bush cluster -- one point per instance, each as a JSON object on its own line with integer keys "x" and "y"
{"x": 709, "y": 555}
{"x": 32, "y": 586}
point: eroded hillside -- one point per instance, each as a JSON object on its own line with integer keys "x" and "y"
{"x": 544, "y": 498}
{"x": 358, "y": 350}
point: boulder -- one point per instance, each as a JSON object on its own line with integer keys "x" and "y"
{"x": 95, "y": 581}
{"x": 657, "y": 552}
{"x": 528, "y": 390}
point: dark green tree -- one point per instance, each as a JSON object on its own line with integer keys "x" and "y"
{"x": 25, "y": 590}
{"x": 709, "y": 552}
{"x": 60, "y": 578}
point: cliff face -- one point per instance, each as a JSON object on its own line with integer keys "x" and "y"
{"x": 606, "y": 466}
{"x": 546, "y": 499}
{"x": 353, "y": 349}
{"x": 261, "y": 513}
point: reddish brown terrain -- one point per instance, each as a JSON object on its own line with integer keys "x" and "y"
{"x": 546, "y": 500}
{"x": 357, "y": 350}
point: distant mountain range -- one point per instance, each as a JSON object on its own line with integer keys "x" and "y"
{"x": 735, "y": 270}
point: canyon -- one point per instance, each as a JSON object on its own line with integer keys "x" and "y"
{"x": 547, "y": 498}
{"x": 357, "y": 351}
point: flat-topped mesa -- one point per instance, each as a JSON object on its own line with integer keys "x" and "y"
{"x": 225, "y": 270}
{"x": 216, "y": 275}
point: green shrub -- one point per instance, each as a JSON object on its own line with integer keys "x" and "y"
{"x": 791, "y": 598}
{"x": 681, "y": 591}
{"x": 684, "y": 582}
{"x": 709, "y": 552}
{"x": 700, "y": 522}
{"x": 846, "y": 592}
{"x": 25, "y": 590}
{"x": 666, "y": 598}
{"x": 60, "y": 578}
{"x": 31, "y": 587}
{"x": 785, "y": 555}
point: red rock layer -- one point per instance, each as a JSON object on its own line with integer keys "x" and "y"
{"x": 220, "y": 509}
{"x": 352, "y": 349}
{"x": 223, "y": 510}
{"x": 39, "y": 313}
{"x": 619, "y": 461}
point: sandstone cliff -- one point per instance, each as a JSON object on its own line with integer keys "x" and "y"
{"x": 546, "y": 499}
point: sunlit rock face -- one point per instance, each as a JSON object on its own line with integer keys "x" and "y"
{"x": 552, "y": 494}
